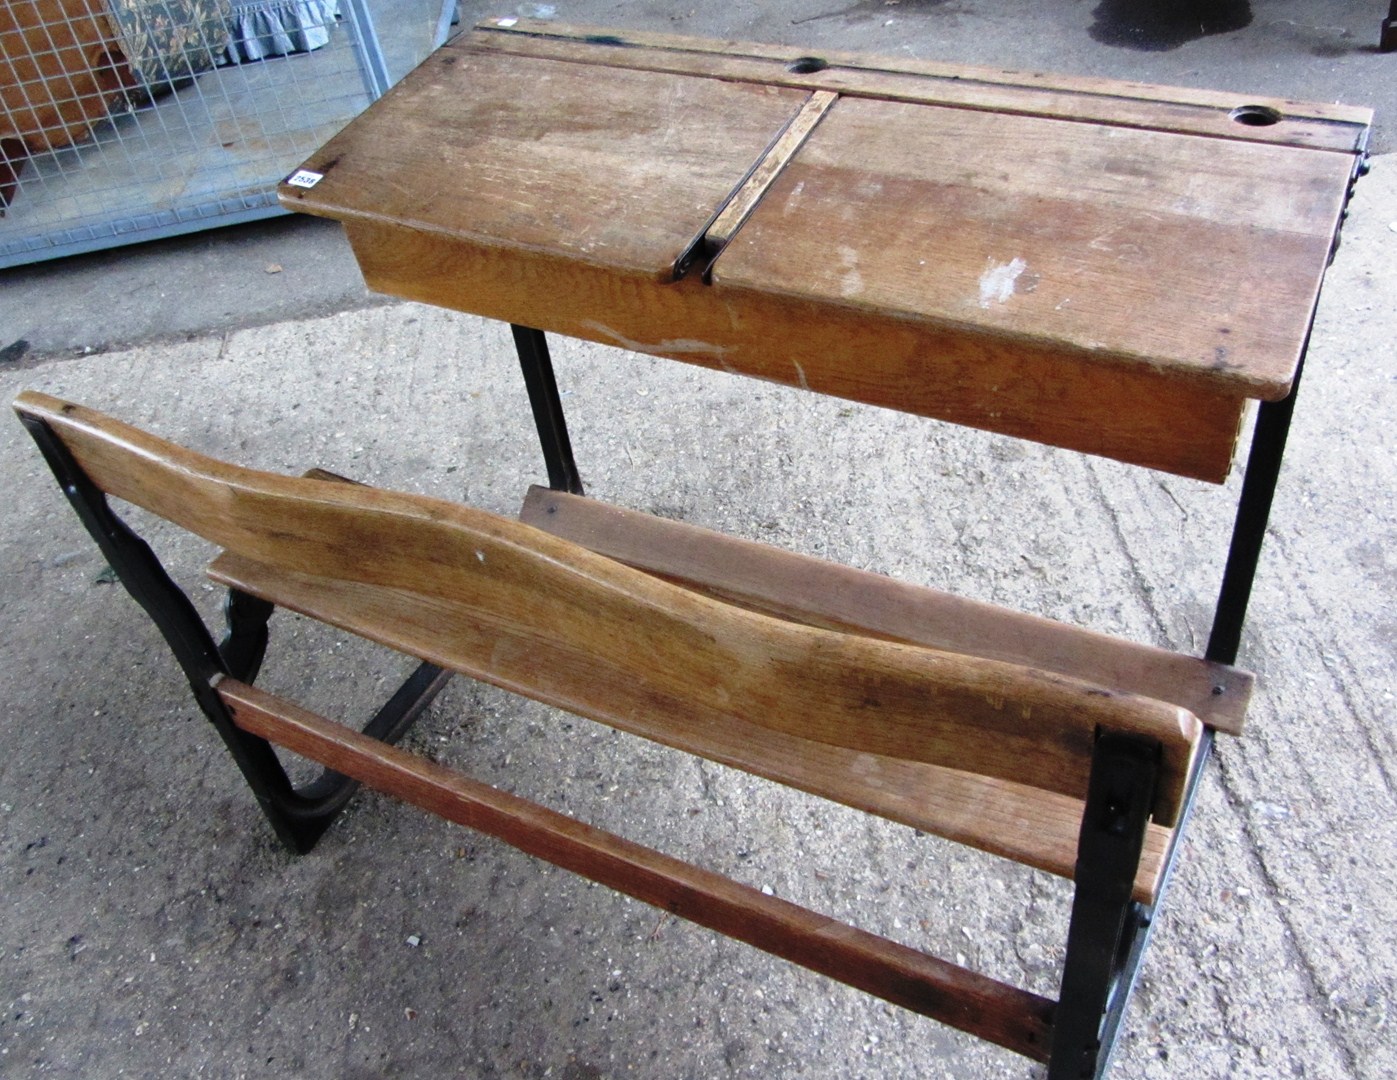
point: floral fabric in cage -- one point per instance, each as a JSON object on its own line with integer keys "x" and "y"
{"x": 169, "y": 40}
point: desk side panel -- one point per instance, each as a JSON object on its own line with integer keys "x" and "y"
{"x": 1132, "y": 413}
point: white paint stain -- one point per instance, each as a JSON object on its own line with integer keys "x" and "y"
{"x": 671, "y": 346}
{"x": 800, "y": 374}
{"x": 793, "y": 199}
{"x": 851, "y": 284}
{"x": 997, "y": 284}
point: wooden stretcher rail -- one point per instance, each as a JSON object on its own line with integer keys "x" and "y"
{"x": 992, "y": 1010}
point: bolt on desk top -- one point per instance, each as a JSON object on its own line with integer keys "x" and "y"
{"x": 1106, "y": 266}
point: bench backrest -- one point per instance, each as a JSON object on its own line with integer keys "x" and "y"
{"x": 546, "y": 618}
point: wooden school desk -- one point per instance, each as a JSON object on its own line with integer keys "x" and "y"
{"x": 1108, "y": 267}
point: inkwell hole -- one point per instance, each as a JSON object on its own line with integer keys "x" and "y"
{"x": 1255, "y": 115}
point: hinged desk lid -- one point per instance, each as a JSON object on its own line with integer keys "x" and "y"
{"x": 1104, "y": 266}
{"x": 1195, "y": 253}
{"x": 622, "y": 169}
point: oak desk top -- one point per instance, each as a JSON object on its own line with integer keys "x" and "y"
{"x": 1106, "y": 266}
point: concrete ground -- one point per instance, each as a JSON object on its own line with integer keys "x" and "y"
{"x": 150, "y": 926}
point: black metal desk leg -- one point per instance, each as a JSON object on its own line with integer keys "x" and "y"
{"x": 1119, "y": 797}
{"x": 1249, "y": 530}
{"x": 532, "y": 347}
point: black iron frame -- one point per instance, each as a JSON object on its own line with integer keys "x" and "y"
{"x": 299, "y": 815}
{"x": 1108, "y": 930}
{"x": 1259, "y": 484}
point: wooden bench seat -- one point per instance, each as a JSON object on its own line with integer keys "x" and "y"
{"x": 1029, "y": 825}
{"x": 989, "y": 751}
{"x": 1023, "y": 823}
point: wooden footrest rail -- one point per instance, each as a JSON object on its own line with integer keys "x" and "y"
{"x": 1013, "y": 1018}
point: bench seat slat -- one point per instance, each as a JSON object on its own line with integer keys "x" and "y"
{"x": 1028, "y": 825}
{"x": 826, "y": 594}
{"x": 1003, "y": 1014}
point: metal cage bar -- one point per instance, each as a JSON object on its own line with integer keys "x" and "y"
{"x": 116, "y": 127}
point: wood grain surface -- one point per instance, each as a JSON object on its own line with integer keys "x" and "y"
{"x": 1108, "y": 267}
{"x": 622, "y": 645}
{"x": 1025, "y": 824}
{"x": 1032, "y": 389}
{"x": 1003, "y": 1014}
{"x": 821, "y": 593}
{"x": 527, "y": 154}
{"x": 1318, "y": 125}
{"x": 1199, "y": 255}
{"x": 745, "y": 199}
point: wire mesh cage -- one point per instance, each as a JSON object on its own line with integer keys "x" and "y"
{"x": 126, "y": 120}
